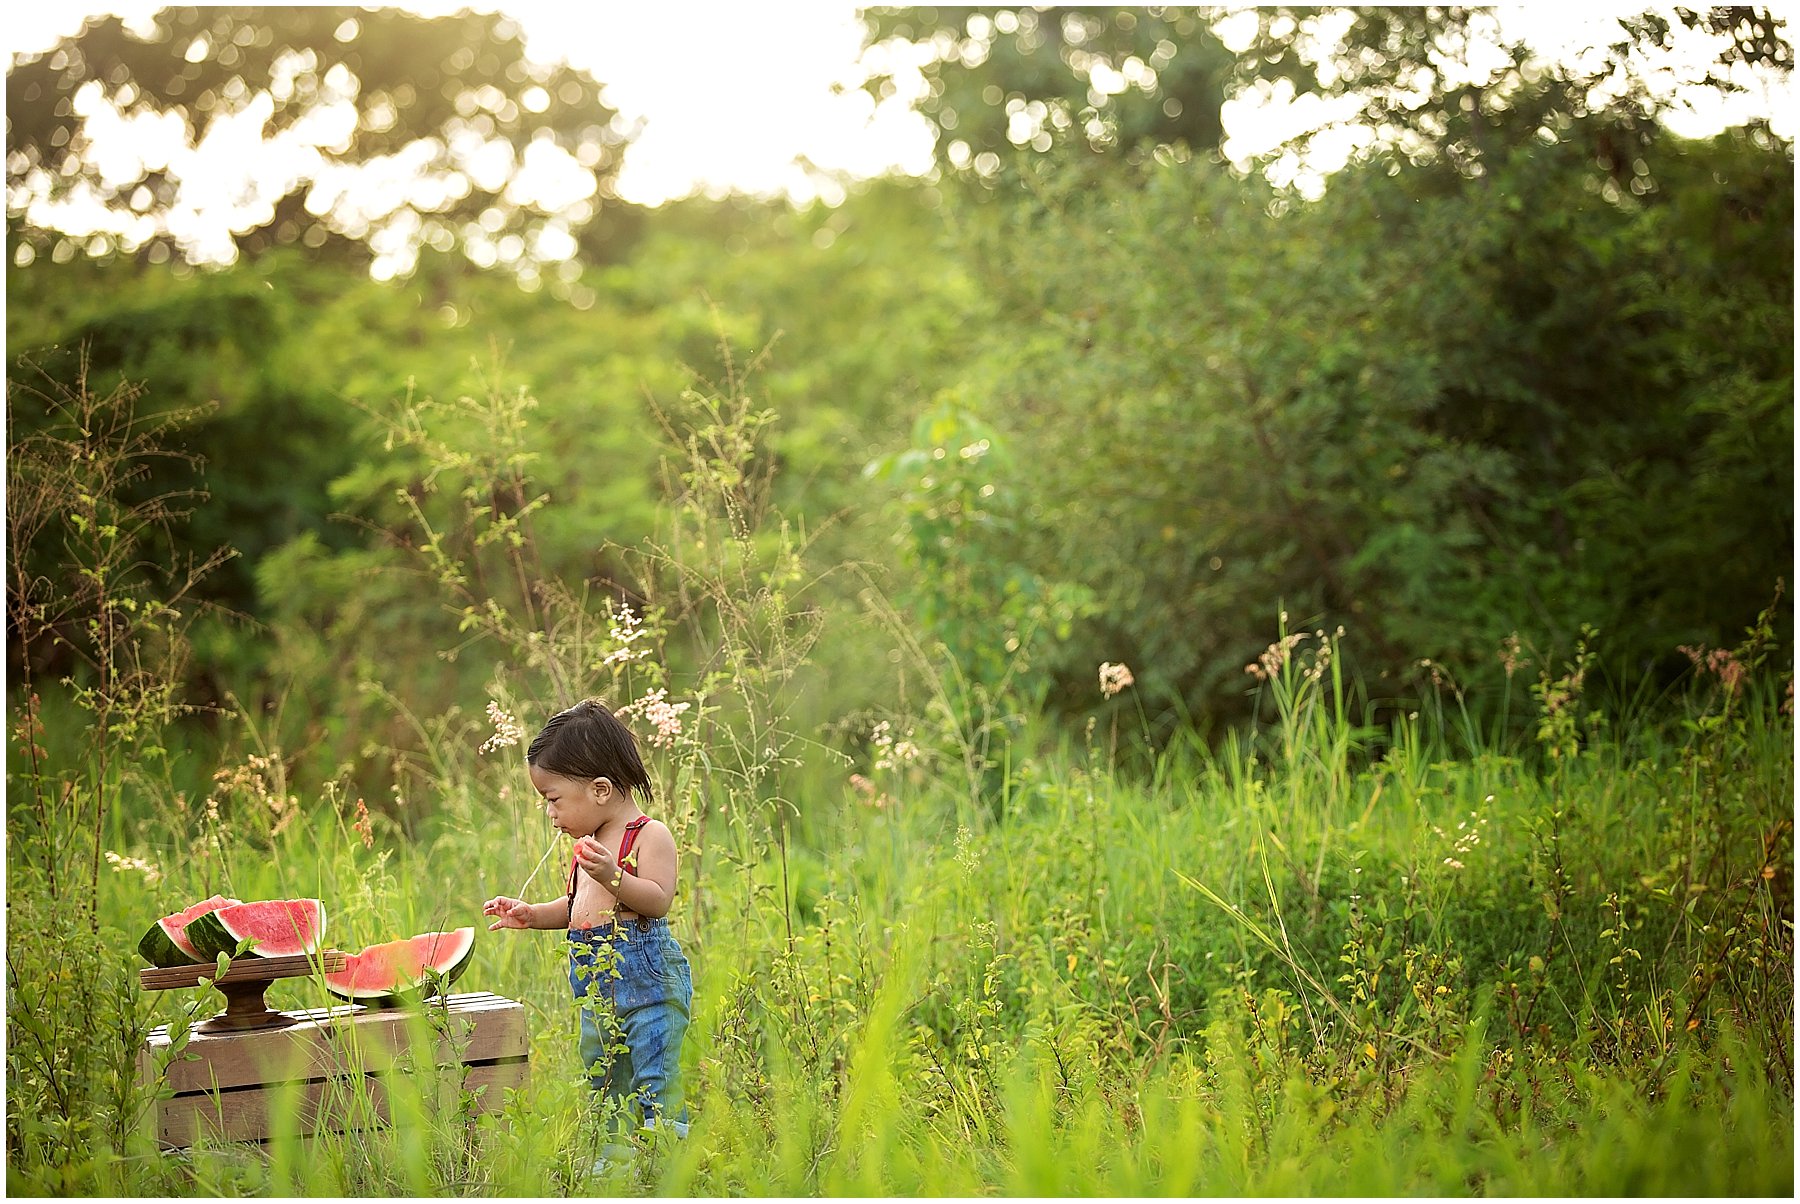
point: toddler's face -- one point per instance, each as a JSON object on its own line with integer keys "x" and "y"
{"x": 572, "y": 805}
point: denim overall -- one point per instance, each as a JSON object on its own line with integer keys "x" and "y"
{"x": 646, "y": 978}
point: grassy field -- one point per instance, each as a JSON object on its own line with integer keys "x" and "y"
{"x": 1534, "y": 944}
{"x": 1321, "y": 959}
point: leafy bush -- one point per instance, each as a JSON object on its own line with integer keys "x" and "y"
{"x": 1390, "y": 410}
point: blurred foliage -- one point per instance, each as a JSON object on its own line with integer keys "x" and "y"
{"x": 966, "y": 507}
{"x": 1098, "y": 77}
{"x": 1448, "y": 87}
{"x": 1127, "y": 408}
{"x": 1436, "y": 417}
{"x": 1442, "y": 86}
{"x": 299, "y": 355}
{"x": 451, "y": 103}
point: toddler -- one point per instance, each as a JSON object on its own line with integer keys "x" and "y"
{"x": 621, "y": 883}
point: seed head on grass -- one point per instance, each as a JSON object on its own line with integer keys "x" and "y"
{"x": 1275, "y": 657}
{"x": 1512, "y": 658}
{"x": 890, "y": 752}
{"x": 364, "y": 826}
{"x": 1114, "y": 678}
{"x": 507, "y": 731}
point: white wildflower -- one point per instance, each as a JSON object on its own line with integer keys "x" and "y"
{"x": 660, "y": 713}
{"x": 122, "y": 864}
{"x": 507, "y": 731}
{"x": 627, "y": 629}
{"x": 1114, "y": 678}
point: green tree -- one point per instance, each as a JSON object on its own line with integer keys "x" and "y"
{"x": 1434, "y": 414}
{"x": 1097, "y": 77}
{"x": 1450, "y": 87}
{"x": 450, "y": 103}
{"x": 1436, "y": 85}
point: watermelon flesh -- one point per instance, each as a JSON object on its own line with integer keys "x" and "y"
{"x": 389, "y": 972}
{"x": 276, "y": 928}
{"x": 167, "y": 942}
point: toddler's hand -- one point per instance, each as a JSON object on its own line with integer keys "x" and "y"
{"x": 597, "y": 862}
{"x": 512, "y": 913}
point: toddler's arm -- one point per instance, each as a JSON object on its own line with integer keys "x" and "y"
{"x": 516, "y": 913}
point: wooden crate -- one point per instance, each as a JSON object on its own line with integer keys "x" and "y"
{"x": 333, "y": 1071}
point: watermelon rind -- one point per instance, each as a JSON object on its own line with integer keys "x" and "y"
{"x": 166, "y": 943}
{"x": 396, "y": 972}
{"x": 272, "y": 928}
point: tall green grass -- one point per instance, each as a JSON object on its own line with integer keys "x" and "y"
{"x": 1254, "y": 973}
{"x": 1329, "y": 954}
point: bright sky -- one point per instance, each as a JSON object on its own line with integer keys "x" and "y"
{"x": 731, "y": 96}
{"x": 743, "y": 96}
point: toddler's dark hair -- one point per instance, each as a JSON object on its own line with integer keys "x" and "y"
{"x": 587, "y": 741}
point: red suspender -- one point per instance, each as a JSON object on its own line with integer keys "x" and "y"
{"x": 625, "y": 842}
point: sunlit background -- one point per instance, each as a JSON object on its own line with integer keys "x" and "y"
{"x": 1172, "y": 566}
{"x": 699, "y": 91}
{"x": 766, "y": 102}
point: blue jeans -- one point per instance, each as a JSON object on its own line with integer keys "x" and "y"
{"x": 635, "y": 971}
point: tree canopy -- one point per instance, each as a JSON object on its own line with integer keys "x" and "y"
{"x": 370, "y": 132}
{"x": 1442, "y": 86}
{"x": 1101, "y": 77}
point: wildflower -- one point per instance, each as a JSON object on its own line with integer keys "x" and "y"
{"x": 966, "y": 856}
{"x": 1511, "y": 659}
{"x": 1275, "y": 657}
{"x": 1720, "y": 662}
{"x": 1453, "y": 863}
{"x": 122, "y": 864}
{"x": 890, "y": 752}
{"x": 627, "y": 627}
{"x": 364, "y": 825}
{"x": 867, "y": 792}
{"x": 626, "y": 630}
{"x": 660, "y": 713}
{"x": 1727, "y": 668}
{"x": 1114, "y": 678}
{"x": 507, "y": 731}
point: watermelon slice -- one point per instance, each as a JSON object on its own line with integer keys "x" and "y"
{"x": 167, "y": 944}
{"x": 278, "y": 928}
{"x": 397, "y": 970}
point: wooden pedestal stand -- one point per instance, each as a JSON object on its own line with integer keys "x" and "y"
{"x": 243, "y": 984}
{"x": 252, "y": 1073}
